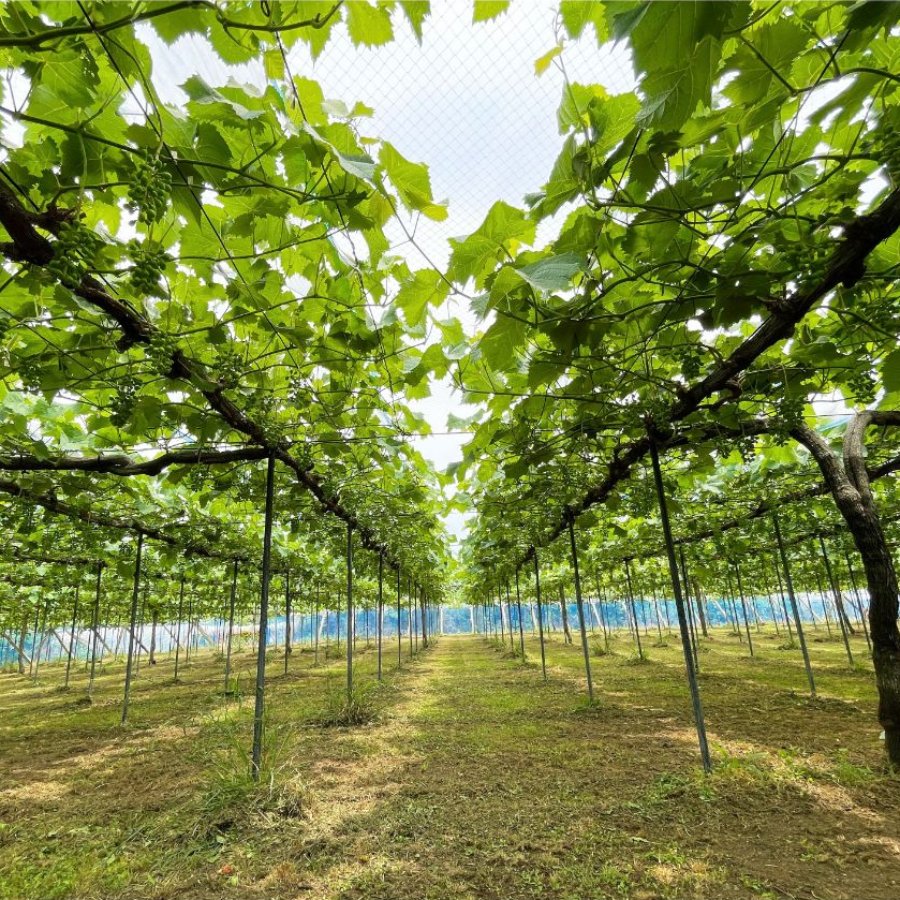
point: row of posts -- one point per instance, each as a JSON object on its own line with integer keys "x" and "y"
{"x": 422, "y": 622}
{"x": 687, "y": 620}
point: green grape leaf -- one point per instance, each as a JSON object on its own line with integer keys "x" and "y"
{"x": 485, "y": 10}
{"x": 368, "y": 25}
{"x": 554, "y": 273}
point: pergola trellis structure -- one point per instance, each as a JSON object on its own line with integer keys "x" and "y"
{"x": 190, "y": 281}
{"x": 676, "y": 299}
{"x": 214, "y": 287}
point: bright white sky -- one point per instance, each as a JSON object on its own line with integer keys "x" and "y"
{"x": 466, "y": 101}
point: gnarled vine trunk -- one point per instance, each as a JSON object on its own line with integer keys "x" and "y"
{"x": 849, "y": 485}
{"x": 865, "y": 527}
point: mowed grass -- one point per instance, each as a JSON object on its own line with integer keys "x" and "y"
{"x": 476, "y": 779}
{"x": 90, "y": 808}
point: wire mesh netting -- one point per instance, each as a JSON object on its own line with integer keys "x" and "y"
{"x": 466, "y": 100}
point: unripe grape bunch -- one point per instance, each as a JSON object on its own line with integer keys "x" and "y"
{"x": 148, "y": 193}
{"x": 790, "y": 414}
{"x": 691, "y": 358}
{"x": 803, "y": 260}
{"x": 122, "y": 404}
{"x": 74, "y": 251}
{"x": 159, "y": 352}
{"x": 228, "y": 367}
{"x": 149, "y": 265}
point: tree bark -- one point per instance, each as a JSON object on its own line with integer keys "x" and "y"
{"x": 422, "y": 608}
{"x": 849, "y": 485}
{"x": 288, "y": 622}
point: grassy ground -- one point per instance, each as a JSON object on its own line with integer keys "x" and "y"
{"x": 476, "y": 780}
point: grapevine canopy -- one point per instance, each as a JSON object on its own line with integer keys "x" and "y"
{"x": 191, "y": 288}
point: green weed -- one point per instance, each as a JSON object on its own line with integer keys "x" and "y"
{"x": 342, "y": 711}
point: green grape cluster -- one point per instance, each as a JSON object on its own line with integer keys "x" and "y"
{"x": 790, "y": 414}
{"x": 160, "y": 351}
{"x": 329, "y": 486}
{"x": 228, "y": 367}
{"x": 642, "y": 497}
{"x": 746, "y": 446}
{"x": 273, "y": 431}
{"x": 122, "y": 404}
{"x": 803, "y": 260}
{"x": 655, "y": 409}
{"x": 691, "y": 358}
{"x": 74, "y": 252}
{"x": 862, "y": 387}
{"x": 297, "y": 390}
{"x": 266, "y": 403}
{"x": 197, "y": 477}
{"x": 149, "y": 265}
{"x": 303, "y": 455}
{"x": 263, "y": 408}
{"x": 148, "y": 194}
{"x": 30, "y": 374}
